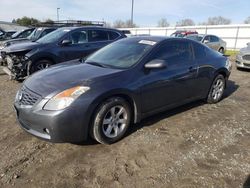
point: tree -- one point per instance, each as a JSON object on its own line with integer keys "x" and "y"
{"x": 26, "y": 21}
{"x": 163, "y": 23}
{"x": 123, "y": 24}
{"x": 185, "y": 22}
{"x": 219, "y": 20}
{"x": 49, "y": 21}
{"x": 247, "y": 21}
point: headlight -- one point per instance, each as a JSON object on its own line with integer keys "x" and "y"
{"x": 228, "y": 64}
{"x": 17, "y": 97}
{"x": 65, "y": 98}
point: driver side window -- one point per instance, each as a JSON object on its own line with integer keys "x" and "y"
{"x": 174, "y": 53}
{"x": 79, "y": 37}
{"x": 207, "y": 38}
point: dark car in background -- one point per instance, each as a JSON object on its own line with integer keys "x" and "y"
{"x": 183, "y": 33}
{"x": 36, "y": 34}
{"x": 64, "y": 44}
{"x": 211, "y": 41}
{"x": 23, "y": 33}
{"x": 6, "y": 34}
{"x": 117, "y": 86}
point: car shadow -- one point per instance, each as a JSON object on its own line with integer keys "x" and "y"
{"x": 231, "y": 88}
{"x": 247, "y": 183}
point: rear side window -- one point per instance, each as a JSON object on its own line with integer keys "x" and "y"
{"x": 113, "y": 35}
{"x": 79, "y": 37}
{"x": 200, "y": 51}
{"x": 175, "y": 53}
{"x": 98, "y": 35}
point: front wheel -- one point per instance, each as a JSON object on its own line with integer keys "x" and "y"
{"x": 217, "y": 89}
{"x": 111, "y": 121}
{"x": 39, "y": 65}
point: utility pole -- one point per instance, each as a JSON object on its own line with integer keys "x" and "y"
{"x": 58, "y": 14}
{"x": 132, "y": 13}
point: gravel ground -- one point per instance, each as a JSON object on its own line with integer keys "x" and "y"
{"x": 197, "y": 145}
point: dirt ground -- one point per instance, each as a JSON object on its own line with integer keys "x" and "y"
{"x": 197, "y": 145}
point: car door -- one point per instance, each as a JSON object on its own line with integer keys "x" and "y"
{"x": 78, "y": 46}
{"x": 174, "y": 84}
{"x": 211, "y": 42}
{"x": 215, "y": 42}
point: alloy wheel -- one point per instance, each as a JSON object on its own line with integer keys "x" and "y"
{"x": 114, "y": 121}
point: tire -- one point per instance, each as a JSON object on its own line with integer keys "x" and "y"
{"x": 221, "y": 50}
{"x": 39, "y": 65}
{"x": 108, "y": 126}
{"x": 217, "y": 89}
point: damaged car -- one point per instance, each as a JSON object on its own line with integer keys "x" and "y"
{"x": 243, "y": 58}
{"x": 27, "y": 35}
{"x": 62, "y": 45}
{"x": 33, "y": 36}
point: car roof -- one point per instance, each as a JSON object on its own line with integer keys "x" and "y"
{"x": 89, "y": 27}
{"x": 156, "y": 39}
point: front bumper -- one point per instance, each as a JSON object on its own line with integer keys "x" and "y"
{"x": 68, "y": 125}
{"x": 241, "y": 63}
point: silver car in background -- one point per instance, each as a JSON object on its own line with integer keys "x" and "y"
{"x": 211, "y": 41}
{"x": 243, "y": 58}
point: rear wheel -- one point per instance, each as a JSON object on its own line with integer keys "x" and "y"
{"x": 111, "y": 121}
{"x": 39, "y": 65}
{"x": 217, "y": 89}
{"x": 221, "y": 50}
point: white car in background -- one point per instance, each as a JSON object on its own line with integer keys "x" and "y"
{"x": 211, "y": 41}
{"x": 243, "y": 58}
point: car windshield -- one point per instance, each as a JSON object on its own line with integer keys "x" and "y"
{"x": 121, "y": 54}
{"x": 195, "y": 37}
{"x": 53, "y": 36}
{"x": 16, "y": 34}
{"x": 35, "y": 34}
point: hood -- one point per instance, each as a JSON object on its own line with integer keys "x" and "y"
{"x": 245, "y": 50}
{"x": 57, "y": 78}
{"x": 23, "y": 46}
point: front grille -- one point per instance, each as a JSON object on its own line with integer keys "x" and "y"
{"x": 246, "y": 57}
{"x": 27, "y": 97}
{"x": 247, "y": 65}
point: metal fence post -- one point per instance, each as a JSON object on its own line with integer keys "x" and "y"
{"x": 236, "y": 38}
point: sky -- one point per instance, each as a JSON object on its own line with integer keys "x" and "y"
{"x": 146, "y": 12}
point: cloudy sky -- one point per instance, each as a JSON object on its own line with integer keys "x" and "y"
{"x": 146, "y": 12}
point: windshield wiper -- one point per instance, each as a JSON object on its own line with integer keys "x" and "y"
{"x": 96, "y": 64}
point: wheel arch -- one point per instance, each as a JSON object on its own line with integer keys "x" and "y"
{"x": 126, "y": 95}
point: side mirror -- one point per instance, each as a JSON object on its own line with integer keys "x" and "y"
{"x": 248, "y": 44}
{"x": 156, "y": 64}
{"x": 66, "y": 43}
{"x": 206, "y": 41}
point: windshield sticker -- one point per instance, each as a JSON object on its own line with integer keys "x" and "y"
{"x": 148, "y": 42}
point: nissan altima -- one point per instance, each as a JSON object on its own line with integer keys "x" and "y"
{"x": 118, "y": 86}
